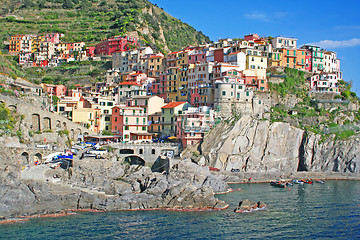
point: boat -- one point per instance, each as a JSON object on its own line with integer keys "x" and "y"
{"x": 298, "y": 182}
{"x": 307, "y": 181}
{"x": 278, "y": 184}
{"x": 319, "y": 181}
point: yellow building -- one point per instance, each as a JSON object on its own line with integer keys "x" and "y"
{"x": 275, "y": 59}
{"x": 172, "y": 79}
{"x": 35, "y": 43}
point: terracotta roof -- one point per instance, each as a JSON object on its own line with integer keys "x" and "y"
{"x": 155, "y": 57}
{"x": 173, "y": 104}
{"x": 129, "y": 83}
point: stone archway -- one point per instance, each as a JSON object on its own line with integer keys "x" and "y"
{"x": 36, "y": 122}
{"x": 58, "y": 124}
{"x": 38, "y": 157}
{"x": 72, "y": 134}
{"x": 78, "y": 131}
{"x": 135, "y": 160}
{"x": 12, "y": 108}
{"x": 126, "y": 151}
{"x": 25, "y": 158}
{"x": 46, "y": 123}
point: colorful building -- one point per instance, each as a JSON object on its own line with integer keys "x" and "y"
{"x": 169, "y": 114}
{"x": 130, "y": 123}
{"x": 115, "y": 44}
{"x": 192, "y": 124}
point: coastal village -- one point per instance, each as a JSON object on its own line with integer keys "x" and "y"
{"x": 149, "y": 96}
{"x": 116, "y": 105}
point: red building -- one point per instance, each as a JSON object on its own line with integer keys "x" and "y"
{"x": 251, "y": 37}
{"x": 308, "y": 60}
{"x": 115, "y": 44}
{"x": 163, "y": 87}
{"x": 90, "y": 51}
{"x": 219, "y": 55}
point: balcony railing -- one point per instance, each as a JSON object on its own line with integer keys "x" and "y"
{"x": 196, "y": 129}
{"x": 167, "y": 122}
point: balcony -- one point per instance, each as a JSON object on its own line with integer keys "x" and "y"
{"x": 196, "y": 129}
{"x": 300, "y": 63}
{"x": 166, "y": 122}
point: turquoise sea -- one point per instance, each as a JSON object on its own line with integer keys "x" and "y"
{"x": 317, "y": 211}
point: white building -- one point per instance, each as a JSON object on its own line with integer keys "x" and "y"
{"x": 284, "y": 42}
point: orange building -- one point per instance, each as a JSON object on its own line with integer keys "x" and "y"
{"x": 300, "y": 59}
{"x": 15, "y": 44}
{"x": 289, "y": 58}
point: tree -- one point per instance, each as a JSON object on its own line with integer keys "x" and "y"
{"x": 28, "y": 4}
{"x": 68, "y": 4}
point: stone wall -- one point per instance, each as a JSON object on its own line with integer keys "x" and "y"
{"x": 148, "y": 151}
{"x": 37, "y": 119}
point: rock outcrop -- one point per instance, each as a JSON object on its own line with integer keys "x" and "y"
{"x": 107, "y": 184}
{"x": 253, "y": 145}
{"x": 248, "y": 206}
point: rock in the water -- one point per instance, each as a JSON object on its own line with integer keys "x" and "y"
{"x": 249, "y": 205}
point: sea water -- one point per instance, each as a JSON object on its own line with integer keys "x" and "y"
{"x": 311, "y": 211}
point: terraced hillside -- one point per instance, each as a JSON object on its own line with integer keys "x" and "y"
{"x": 93, "y": 20}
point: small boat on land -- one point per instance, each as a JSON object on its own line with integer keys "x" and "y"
{"x": 319, "y": 181}
{"x": 278, "y": 184}
{"x": 298, "y": 182}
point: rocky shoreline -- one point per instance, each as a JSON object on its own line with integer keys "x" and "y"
{"x": 238, "y": 178}
{"x": 203, "y": 205}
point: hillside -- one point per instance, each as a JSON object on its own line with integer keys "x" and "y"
{"x": 93, "y": 20}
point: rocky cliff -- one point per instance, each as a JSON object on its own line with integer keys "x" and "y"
{"x": 253, "y": 145}
{"x": 105, "y": 184}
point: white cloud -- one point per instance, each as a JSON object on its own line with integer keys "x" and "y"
{"x": 338, "y": 44}
{"x": 347, "y": 27}
{"x": 261, "y": 16}
{"x": 257, "y": 16}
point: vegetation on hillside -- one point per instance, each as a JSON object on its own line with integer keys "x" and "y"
{"x": 308, "y": 114}
{"x": 93, "y": 20}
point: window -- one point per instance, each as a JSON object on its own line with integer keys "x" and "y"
{"x": 247, "y": 94}
{"x": 144, "y": 128}
{"x": 126, "y": 127}
{"x": 110, "y": 104}
{"x": 223, "y": 93}
{"x": 107, "y": 119}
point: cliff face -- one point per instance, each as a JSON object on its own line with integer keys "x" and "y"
{"x": 252, "y": 145}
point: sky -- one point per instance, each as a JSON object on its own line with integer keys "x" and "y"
{"x": 331, "y": 24}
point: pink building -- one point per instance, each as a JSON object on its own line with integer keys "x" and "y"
{"x": 136, "y": 77}
{"x": 154, "y": 88}
{"x": 193, "y": 124}
{"x": 115, "y": 44}
{"x": 251, "y": 37}
{"x": 197, "y": 56}
{"x": 163, "y": 87}
{"x": 52, "y": 37}
{"x": 57, "y": 90}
